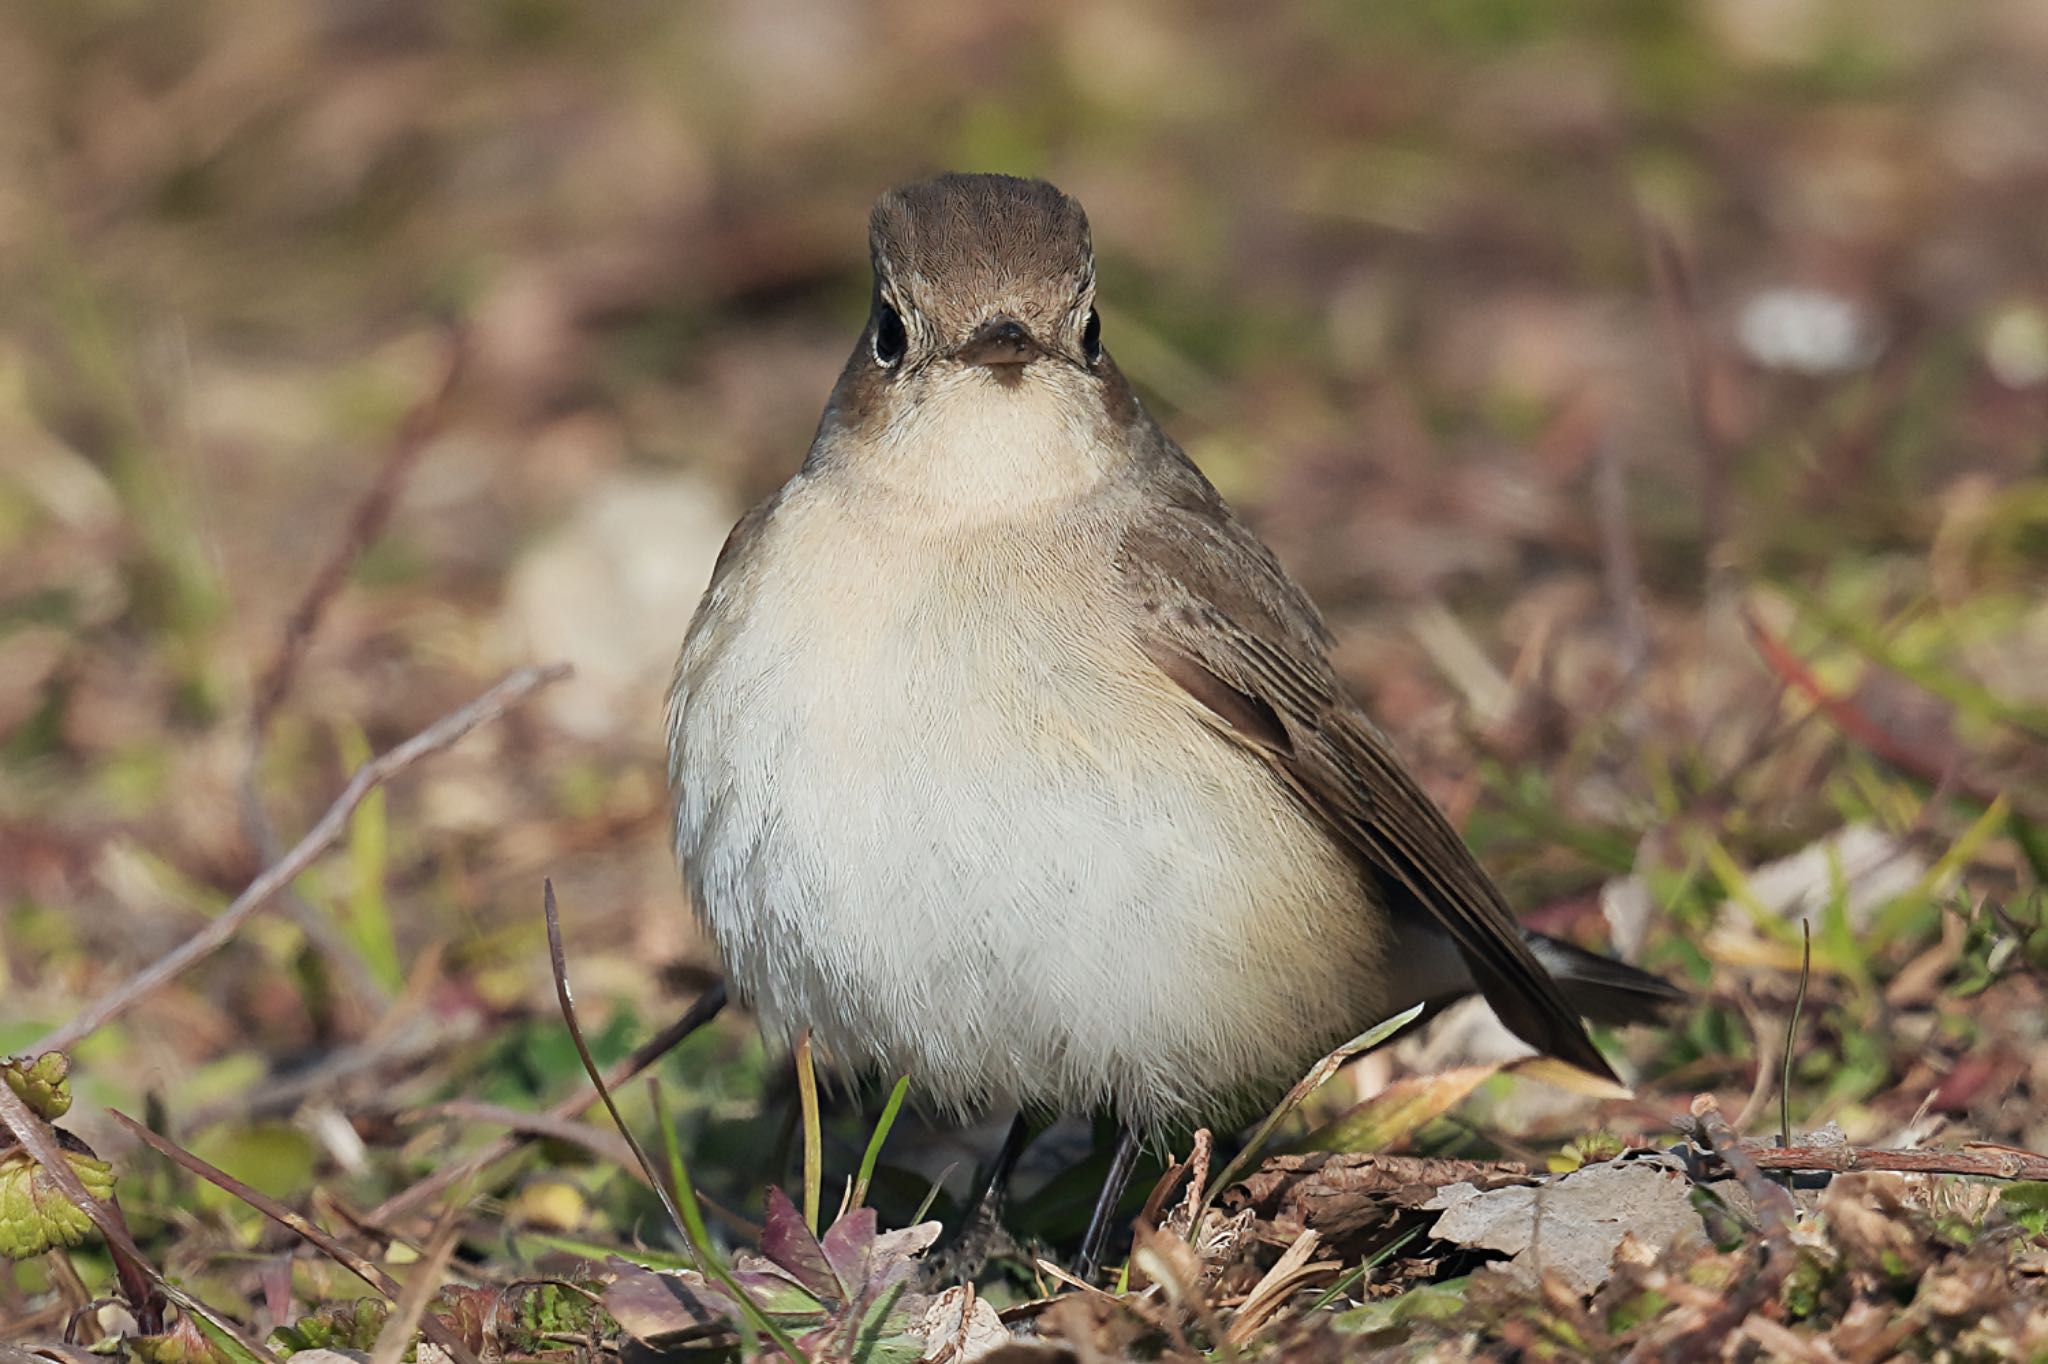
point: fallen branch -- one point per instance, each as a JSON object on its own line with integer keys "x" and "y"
{"x": 443, "y": 733}
{"x": 1985, "y": 1161}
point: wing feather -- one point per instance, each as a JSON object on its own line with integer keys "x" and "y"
{"x": 1223, "y": 620}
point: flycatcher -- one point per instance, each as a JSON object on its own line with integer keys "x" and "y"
{"x": 1005, "y": 756}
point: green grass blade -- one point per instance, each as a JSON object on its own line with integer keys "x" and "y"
{"x": 875, "y": 1140}
{"x": 1364, "y": 1267}
{"x": 692, "y": 1213}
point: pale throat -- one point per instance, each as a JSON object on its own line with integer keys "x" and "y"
{"x": 970, "y": 447}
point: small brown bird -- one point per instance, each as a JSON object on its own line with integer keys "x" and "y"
{"x": 1006, "y": 757}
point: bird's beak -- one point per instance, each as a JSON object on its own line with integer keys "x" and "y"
{"x": 998, "y": 342}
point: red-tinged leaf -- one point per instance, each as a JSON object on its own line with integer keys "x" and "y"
{"x": 469, "y": 1312}
{"x": 651, "y": 1307}
{"x": 788, "y": 1244}
{"x": 849, "y": 1247}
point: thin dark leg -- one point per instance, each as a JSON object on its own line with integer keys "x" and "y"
{"x": 983, "y": 1208}
{"x": 995, "y": 1185}
{"x": 1121, "y": 1166}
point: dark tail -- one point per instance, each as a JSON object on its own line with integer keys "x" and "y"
{"x": 1602, "y": 989}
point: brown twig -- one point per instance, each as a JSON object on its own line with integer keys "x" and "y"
{"x": 366, "y": 523}
{"x": 444, "y": 732}
{"x": 432, "y": 1327}
{"x": 1711, "y": 1333}
{"x": 1840, "y": 710}
{"x": 1195, "y": 1169}
{"x": 707, "y": 1007}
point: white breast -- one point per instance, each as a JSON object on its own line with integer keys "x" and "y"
{"x": 935, "y": 806}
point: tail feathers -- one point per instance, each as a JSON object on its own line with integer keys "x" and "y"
{"x": 1602, "y": 989}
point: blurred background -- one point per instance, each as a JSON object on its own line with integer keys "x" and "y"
{"x": 1653, "y": 392}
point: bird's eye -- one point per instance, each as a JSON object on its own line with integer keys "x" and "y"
{"x": 890, "y": 340}
{"x": 1091, "y": 337}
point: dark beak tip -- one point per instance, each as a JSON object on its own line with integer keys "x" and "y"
{"x": 1000, "y": 341}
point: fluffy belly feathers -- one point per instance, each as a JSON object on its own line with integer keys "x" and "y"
{"x": 983, "y": 843}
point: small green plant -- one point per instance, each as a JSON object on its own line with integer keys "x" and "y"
{"x": 35, "y": 1215}
{"x": 2027, "y": 1205}
{"x": 42, "y": 1082}
{"x": 1590, "y": 1149}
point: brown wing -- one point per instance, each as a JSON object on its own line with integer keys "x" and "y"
{"x": 1222, "y": 619}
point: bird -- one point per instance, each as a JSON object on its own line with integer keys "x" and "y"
{"x": 1005, "y": 756}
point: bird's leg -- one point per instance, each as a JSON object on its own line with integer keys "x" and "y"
{"x": 984, "y": 1206}
{"x": 967, "y": 1246}
{"x": 1121, "y": 1165}
{"x": 995, "y": 1184}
